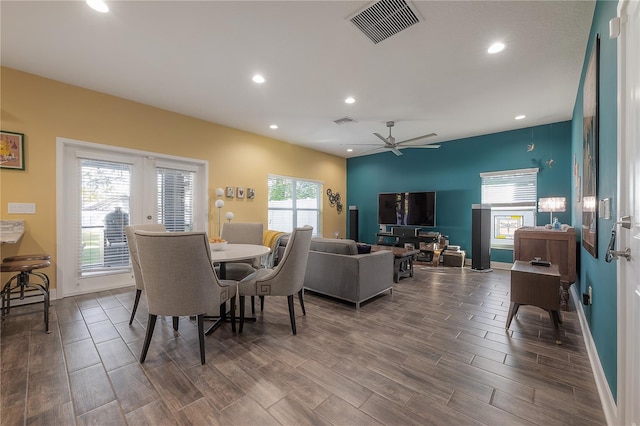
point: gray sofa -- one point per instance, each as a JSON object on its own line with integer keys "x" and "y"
{"x": 336, "y": 269}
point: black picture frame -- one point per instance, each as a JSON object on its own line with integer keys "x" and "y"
{"x": 11, "y": 150}
{"x": 590, "y": 144}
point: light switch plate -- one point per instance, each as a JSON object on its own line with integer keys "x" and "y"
{"x": 22, "y": 208}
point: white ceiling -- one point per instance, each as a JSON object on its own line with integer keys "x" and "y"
{"x": 197, "y": 58}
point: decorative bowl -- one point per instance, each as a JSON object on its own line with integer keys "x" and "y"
{"x": 218, "y": 246}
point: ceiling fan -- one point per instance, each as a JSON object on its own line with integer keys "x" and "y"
{"x": 395, "y": 147}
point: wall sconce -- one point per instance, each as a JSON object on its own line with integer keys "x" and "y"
{"x": 229, "y": 216}
{"x": 551, "y": 205}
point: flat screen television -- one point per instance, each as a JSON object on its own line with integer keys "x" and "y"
{"x": 407, "y": 208}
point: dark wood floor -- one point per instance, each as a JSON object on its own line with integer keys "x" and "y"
{"x": 434, "y": 352}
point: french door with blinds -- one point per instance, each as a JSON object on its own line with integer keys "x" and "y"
{"x": 102, "y": 189}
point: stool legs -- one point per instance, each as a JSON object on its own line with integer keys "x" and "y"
{"x": 24, "y": 285}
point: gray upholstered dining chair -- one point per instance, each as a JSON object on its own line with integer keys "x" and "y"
{"x": 243, "y": 233}
{"x": 180, "y": 280}
{"x": 135, "y": 262}
{"x": 286, "y": 279}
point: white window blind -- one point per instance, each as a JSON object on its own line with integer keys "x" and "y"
{"x": 510, "y": 187}
{"x": 175, "y": 199}
{"x": 293, "y": 203}
{"x": 512, "y": 196}
{"x": 104, "y": 205}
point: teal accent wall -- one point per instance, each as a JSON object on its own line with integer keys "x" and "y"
{"x": 601, "y": 276}
{"x": 453, "y": 171}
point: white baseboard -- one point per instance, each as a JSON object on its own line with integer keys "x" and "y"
{"x": 501, "y": 265}
{"x": 606, "y": 397}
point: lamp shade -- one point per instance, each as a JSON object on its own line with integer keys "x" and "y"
{"x": 229, "y": 216}
{"x": 552, "y": 204}
{"x": 219, "y": 192}
{"x": 219, "y": 203}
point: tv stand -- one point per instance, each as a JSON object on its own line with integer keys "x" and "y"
{"x": 425, "y": 242}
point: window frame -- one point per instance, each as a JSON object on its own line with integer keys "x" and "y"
{"x": 519, "y": 202}
{"x": 294, "y": 209}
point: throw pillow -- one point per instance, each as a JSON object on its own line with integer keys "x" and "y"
{"x": 363, "y": 248}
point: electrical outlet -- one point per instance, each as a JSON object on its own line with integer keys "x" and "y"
{"x": 590, "y": 295}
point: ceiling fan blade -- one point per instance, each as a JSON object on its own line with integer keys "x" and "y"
{"x": 430, "y": 135}
{"x": 362, "y": 144}
{"x": 396, "y": 151}
{"x": 418, "y": 146}
{"x": 382, "y": 137}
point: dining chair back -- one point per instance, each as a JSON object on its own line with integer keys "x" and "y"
{"x": 286, "y": 279}
{"x": 180, "y": 280}
{"x": 135, "y": 262}
{"x": 243, "y": 233}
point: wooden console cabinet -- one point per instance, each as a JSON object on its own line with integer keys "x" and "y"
{"x": 556, "y": 246}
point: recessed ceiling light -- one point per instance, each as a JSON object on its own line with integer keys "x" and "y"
{"x": 350, "y": 150}
{"x": 273, "y": 126}
{"x": 349, "y": 100}
{"x": 258, "y": 79}
{"x": 520, "y": 117}
{"x": 496, "y": 47}
{"x": 98, "y": 5}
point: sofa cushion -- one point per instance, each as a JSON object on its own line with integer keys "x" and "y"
{"x": 334, "y": 245}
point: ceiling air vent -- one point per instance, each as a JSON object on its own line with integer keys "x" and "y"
{"x": 385, "y": 18}
{"x": 344, "y": 120}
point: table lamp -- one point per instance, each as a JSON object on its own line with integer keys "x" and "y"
{"x": 552, "y": 205}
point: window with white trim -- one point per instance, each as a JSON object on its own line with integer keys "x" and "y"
{"x": 175, "y": 198}
{"x": 512, "y": 195}
{"x": 293, "y": 202}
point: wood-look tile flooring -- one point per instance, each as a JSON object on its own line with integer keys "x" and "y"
{"x": 434, "y": 352}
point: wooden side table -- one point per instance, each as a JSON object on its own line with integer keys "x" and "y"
{"x": 402, "y": 260}
{"x": 555, "y": 246}
{"x": 538, "y": 286}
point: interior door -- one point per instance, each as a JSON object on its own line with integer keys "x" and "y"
{"x": 629, "y": 204}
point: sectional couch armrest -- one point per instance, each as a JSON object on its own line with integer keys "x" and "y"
{"x": 349, "y": 277}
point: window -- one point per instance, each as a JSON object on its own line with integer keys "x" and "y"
{"x": 512, "y": 196}
{"x": 175, "y": 199}
{"x": 104, "y": 205}
{"x": 293, "y": 203}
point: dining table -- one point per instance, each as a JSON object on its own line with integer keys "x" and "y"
{"x": 234, "y": 253}
{"x": 223, "y": 254}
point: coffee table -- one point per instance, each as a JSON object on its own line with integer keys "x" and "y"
{"x": 402, "y": 260}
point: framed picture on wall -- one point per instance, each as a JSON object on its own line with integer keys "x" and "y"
{"x": 240, "y": 193}
{"x": 590, "y": 134}
{"x": 11, "y": 150}
{"x": 231, "y": 191}
{"x": 251, "y": 193}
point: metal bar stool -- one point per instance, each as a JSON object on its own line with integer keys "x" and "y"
{"x": 26, "y": 266}
{"x": 20, "y": 257}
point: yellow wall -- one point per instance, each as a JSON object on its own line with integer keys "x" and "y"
{"x": 44, "y": 109}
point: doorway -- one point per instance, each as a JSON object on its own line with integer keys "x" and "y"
{"x": 101, "y": 189}
{"x": 629, "y": 204}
